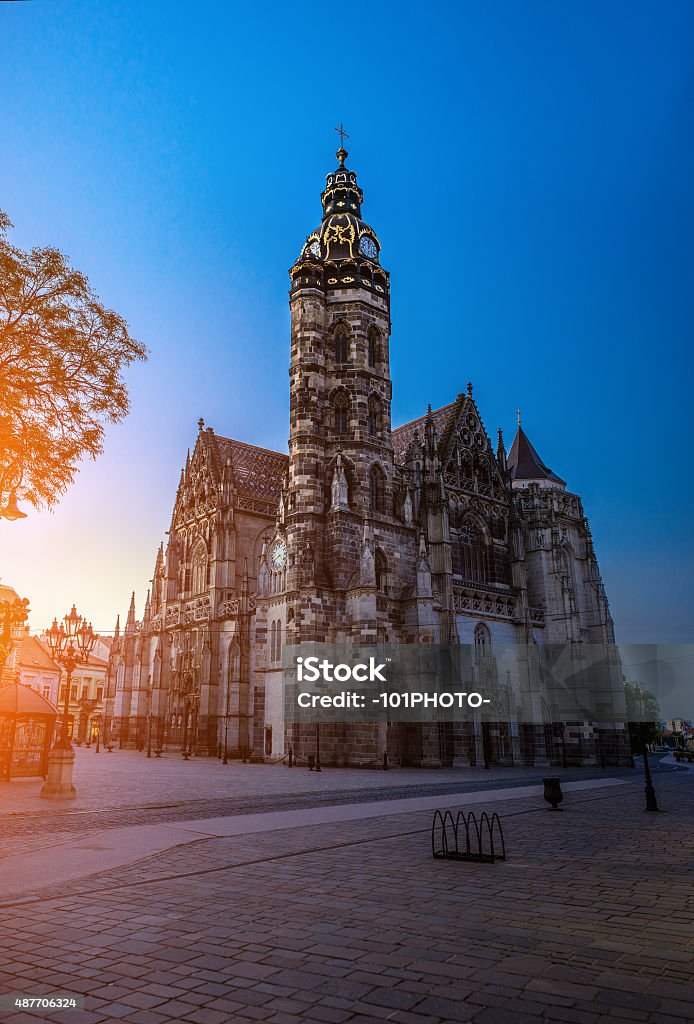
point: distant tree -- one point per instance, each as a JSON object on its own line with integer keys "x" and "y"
{"x": 62, "y": 354}
{"x": 643, "y": 714}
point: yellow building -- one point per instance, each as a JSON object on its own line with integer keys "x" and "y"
{"x": 36, "y": 668}
{"x": 86, "y": 702}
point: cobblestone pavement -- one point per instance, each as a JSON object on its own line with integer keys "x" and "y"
{"x": 127, "y": 778}
{"x": 129, "y": 789}
{"x": 589, "y": 920}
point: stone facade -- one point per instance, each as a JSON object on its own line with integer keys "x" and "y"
{"x": 422, "y": 534}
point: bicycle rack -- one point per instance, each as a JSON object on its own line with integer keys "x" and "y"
{"x": 466, "y": 838}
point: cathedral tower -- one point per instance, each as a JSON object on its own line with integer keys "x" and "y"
{"x": 340, "y": 488}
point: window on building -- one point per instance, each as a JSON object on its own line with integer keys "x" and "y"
{"x": 376, "y": 489}
{"x": 63, "y": 691}
{"x": 469, "y": 559}
{"x": 85, "y": 692}
{"x": 199, "y": 569}
{"x": 340, "y": 413}
{"x": 373, "y": 346}
{"x": 483, "y": 640}
{"x": 341, "y": 344}
{"x": 374, "y": 417}
{"x": 99, "y": 693}
{"x": 47, "y": 692}
{"x": 73, "y": 693}
{"x": 381, "y": 572}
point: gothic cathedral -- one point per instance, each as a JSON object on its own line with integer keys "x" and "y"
{"x": 362, "y": 534}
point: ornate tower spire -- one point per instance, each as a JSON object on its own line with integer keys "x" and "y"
{"x": 343, "y": 234}
{"x": 130, "y": 622}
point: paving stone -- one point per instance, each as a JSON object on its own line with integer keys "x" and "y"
{"x": 574, "y": 928}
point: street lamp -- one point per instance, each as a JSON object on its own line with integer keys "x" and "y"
{"x": 70, "y": 644}
{"x": 191, "y": 723}
{"x": 12, "y": 511}
{"x": 13, "y": 615}
{"x": 651, "y": 802}
{"x": 11, "y": 478}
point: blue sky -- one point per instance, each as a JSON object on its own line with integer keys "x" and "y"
{"x": 527, "y": 166}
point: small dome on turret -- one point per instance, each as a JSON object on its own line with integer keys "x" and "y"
{"x": 342, "y": 234}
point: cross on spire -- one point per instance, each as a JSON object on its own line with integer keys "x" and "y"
{"x": 343, "y": 135}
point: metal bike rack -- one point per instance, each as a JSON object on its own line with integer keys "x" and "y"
{"x": 466, "y": 838}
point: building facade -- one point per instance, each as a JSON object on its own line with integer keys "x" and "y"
{"x": 426, "y": 533}
{"x": 36, "y": 668}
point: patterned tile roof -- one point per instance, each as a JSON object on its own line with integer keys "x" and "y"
{"x": 403, "y": 436}
{"x": 258, "y": 472}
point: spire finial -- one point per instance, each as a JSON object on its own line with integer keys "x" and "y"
{"x": 342, "y": 153}
{"x": 469, "y": 389}
{"x": 519, "y": 414}
{"x": 343, "y": 135}
{"x": 201, "y": 424}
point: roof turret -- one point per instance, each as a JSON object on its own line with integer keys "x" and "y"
{"x": 526, "y": 466}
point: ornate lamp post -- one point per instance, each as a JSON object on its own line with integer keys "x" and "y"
{"x": 13, "y": 615}
{"x": 11, "y": 510}
{"x": 11, "y": 476}
{"x": 70, "y": 643}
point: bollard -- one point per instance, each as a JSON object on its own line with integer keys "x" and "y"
{"x": 651, "y": 802}
{"x": 291, "y": 758}
{"x": 385, "y": 760}
{"x": 553, "y": 794}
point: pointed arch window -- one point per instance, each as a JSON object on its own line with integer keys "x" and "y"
{"x": 469, "y": 559}
{"x": 381, "y": 566}
{"x": 376, "y": 489}
{"x": 340, "y": 413}
{"x": 483, "y": 640}
{"x": 199, "y": 570}
{"x": 374, "y": 417}
{"x": 341, "y": 343}
{"x": 373, "y": 339}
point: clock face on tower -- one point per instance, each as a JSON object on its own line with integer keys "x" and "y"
{"x": 368, "y": 247}
{"x": 278, "y": 555}
{"x": 314, "y": 248}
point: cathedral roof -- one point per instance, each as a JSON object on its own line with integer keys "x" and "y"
{"x": 402, "y": 437}
{"x": 258, "y": 472}
{"x": 525, "y": 464}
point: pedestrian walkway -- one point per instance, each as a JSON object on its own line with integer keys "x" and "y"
{"x": 351, "y": 920}
{"x": 68, "y": 859}
{"x": 128, "y": 778}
